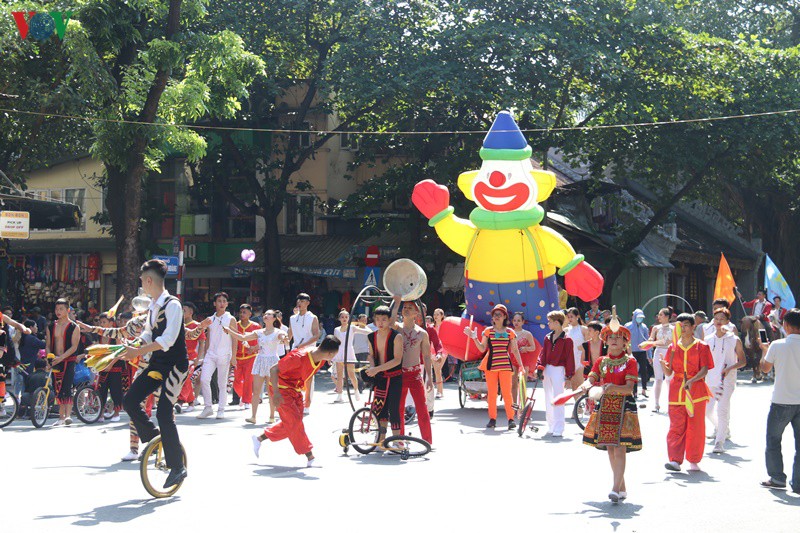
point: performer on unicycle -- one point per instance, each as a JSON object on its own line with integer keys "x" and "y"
{"x": 163, "y": 335}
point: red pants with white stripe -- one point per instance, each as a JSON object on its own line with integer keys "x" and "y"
{"x": 187, "y": 391}
{"x": 687, "y": 435}
{"x": 243, "y": 379}
{"x": 291, "y": 425}
{"x": 413, "y": 383}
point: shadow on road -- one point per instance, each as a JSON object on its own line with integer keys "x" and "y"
{"x": 607, "y": 509}
{"x": 786, "y": 498}
{"x": 115, "y": 513}
{"x": 276, "y": 471}
{"x": 727, "y": 458}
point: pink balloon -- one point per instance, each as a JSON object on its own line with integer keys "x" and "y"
{"x": 251, "y": 256}
{"x": 244, "y": 254}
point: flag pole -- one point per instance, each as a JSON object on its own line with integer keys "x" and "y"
{"x": 739, "y": 299}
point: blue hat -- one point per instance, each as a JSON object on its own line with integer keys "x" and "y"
{"x": 505, "y": 140}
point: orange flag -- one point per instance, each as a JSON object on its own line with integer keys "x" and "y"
{"x": 725, "y": 284}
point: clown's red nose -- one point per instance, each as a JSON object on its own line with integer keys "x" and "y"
{"x": 497, "y": 179}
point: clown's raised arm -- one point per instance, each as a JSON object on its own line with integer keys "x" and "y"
{"x": 433, "y": 200}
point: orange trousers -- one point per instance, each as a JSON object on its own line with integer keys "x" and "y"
{"x": 687, "y": 435}
{"x": 243, "y": 379}
{"x": 291, "y": 425}
{"x": 503, "y": 377}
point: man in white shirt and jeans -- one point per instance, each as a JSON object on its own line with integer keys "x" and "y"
{"x": 784, "y": 355}
{"x": 219, "y": 356}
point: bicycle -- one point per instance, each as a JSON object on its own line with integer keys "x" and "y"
{"x": 153, "y": 469}
{"x": 584, "y": 407}
{"x": 42, "y": 400}
{"x": 87, "y": 402}
{"x": 363, "y": 434}
{"x": 9, "y": 408}
{"x": 527, "y": 410}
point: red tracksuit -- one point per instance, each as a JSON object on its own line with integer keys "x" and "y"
{"x": 294, "y": 370}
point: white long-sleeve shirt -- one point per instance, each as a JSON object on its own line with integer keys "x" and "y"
{"x": 174, "y": 316}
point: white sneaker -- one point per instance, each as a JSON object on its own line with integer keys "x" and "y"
{"x": 130, "y": 456}
{"x": 68, "y": 421}
{"x": 694, "y": 467}
{"x": 673, "y": 466}
{"x": 114, "y": 418}
{"x": 310, "y": 462}
{"x": 196, "y": 402}
{"x": 106, "y": 416}
{"x": 207, "y": 412}
{"x": 306, "y": 411}
{"x": 358, "y": 397}
{"x": 256, "y": 445}
{"x": 338, "y": 399}
{"x": 245, "y": 406}
{"x": 220, "y": 414}
{"x": 622, "y": 495}
{"x": 57, "y": 424}
{"x": 188, "y": 409}
{"x": 719, "y": 448}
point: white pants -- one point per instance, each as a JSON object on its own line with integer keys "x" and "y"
{"x": 220, "y": 363}
{"x": 553, "y": 386}
{"x": 718, "y": 411}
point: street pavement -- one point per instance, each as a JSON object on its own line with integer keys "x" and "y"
{"x": 57, "y": 479}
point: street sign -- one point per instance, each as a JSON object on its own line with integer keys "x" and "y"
{"x": 172, "y": 263}
{"x": 372, "y": 275}
{"x": 372, "y": 257}
{"x": 15, "y": 224}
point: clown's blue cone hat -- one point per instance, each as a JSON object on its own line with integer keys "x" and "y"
{"x": 505, "y": 141}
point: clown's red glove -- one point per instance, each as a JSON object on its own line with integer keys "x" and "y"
{"x": 584, "y": 282}
{"x": 430, "y": 198}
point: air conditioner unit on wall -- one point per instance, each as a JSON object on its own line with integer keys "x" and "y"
{"x": 202, "y": 224}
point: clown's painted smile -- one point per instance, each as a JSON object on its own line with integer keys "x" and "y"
{"x": 506, "y": 199}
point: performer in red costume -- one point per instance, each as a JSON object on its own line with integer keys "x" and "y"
{"x": 287, "y": 380}
{"x": 245, "y": 357}
{"x": 416, "y": 358}
{"x": 687, "y": 361}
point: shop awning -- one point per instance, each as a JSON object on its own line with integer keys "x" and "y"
{"x": 60, "y": 246}
{"x": 45, "y": 214}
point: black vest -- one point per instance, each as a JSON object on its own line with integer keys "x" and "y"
{"x": 177, "y": 352}
{"x": 389, "y": 347}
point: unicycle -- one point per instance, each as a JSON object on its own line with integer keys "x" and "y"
{"x": 153, "y": 469}
{"x": 527, "y": 410}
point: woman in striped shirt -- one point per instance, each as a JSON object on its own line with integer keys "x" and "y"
{"x": 501, "y": 342}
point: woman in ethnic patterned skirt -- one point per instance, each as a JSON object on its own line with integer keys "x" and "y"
{"x": 614, "y": 426}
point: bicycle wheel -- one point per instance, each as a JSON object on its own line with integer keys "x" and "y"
{"x": 406, "y": 446}
{"x": 524, "y": 418}
{"x": 364, "y": 430}
{"x": 582, "y": 411}
{"x": 462, "y": 395}
{"x": 87, "y": 405}
{"x": 153, "y": 469}
{"x": 41, "y": 407}
{"x": 8, "y": 409}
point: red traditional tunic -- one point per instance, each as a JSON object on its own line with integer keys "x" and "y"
{"x": 686, "y": 363}
{"x": 191, "y": 344}
{"x": 614, "y": 370}
{"x": 243, "y": 374}
{"x": 294, "y": 370}
{"x": 615, "y": 422}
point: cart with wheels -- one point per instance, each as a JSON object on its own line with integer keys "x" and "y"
{"x": 471, "y": 383}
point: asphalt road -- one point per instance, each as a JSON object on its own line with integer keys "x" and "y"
{"x": 60, "y": 478}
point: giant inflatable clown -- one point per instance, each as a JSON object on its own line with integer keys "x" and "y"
{"x": 510, "y": 258}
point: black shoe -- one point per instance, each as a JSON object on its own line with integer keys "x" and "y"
{"x": 430, "y": 414}
{"x": 176, "y": 475}
{"x": 492, "y": 423}
{"x": 234, "y": 403}
{"x": 511, "y": 425}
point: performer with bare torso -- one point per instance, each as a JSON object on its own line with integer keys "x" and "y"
{"x": 416, "y": 355}
{"x": 63, "y": 338}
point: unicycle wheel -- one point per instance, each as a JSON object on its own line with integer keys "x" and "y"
{"x": 153, "y": 470}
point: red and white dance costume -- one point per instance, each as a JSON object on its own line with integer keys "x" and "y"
{"x": 193, "y": 337}
{"x": 558, "y": 360}
{"x": 687, "y": 434}
{"x": 245, "y": 357}
{"x": 414, "y": 383}
{"x": 294, "y": 370}
{"x": 114, "y": 380}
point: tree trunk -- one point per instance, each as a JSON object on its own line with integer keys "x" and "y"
{"x": 272, "y": 262}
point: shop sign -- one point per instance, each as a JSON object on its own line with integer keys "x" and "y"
{"x": 242, "y": 271}
{"x": 326, "y": 272}
{"x": 15, "y": 224}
